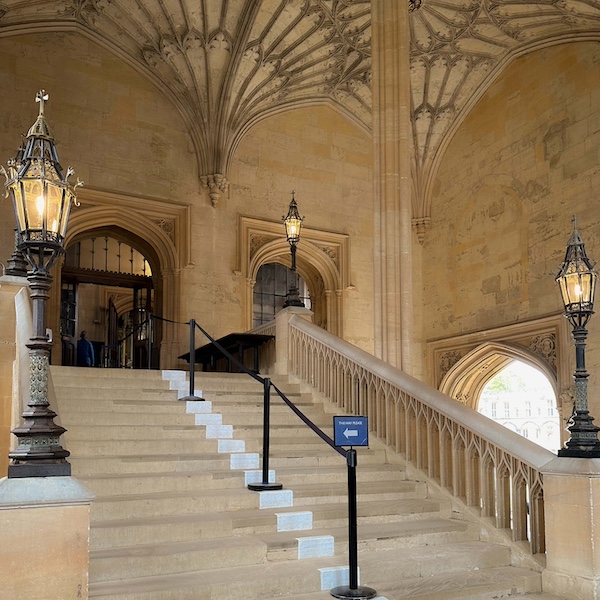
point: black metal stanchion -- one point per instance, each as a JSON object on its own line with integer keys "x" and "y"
{"x": 149, "y": 332}
{"x": 265, "y": 485}
{"x": 191, "y": 395}
{"x": 353, "y": 590}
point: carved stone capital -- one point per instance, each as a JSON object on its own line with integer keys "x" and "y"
{"x": 421, "y": 225}
{"x": 216, "y": 185}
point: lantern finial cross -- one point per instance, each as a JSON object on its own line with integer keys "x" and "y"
{"x": 42, "y": 98}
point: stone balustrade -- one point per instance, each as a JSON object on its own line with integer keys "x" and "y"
{"x": 490, "y": 468}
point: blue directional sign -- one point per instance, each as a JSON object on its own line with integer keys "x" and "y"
{"x": 351, "y": 431}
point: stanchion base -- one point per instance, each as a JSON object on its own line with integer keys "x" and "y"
{"x": 343, "y": 591}
{"x": 191, "y": 399}
{"x": 265, "y": 487}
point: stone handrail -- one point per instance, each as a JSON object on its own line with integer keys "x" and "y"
{"x": 489, "y": 467}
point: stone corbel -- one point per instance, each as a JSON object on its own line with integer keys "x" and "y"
{"x": 216, "y": 185}
{"x": 421, "y": 225}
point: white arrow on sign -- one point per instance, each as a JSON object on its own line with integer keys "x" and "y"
{"x": 351, "y": 432}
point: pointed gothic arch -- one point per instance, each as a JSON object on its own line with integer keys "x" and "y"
{"x": 466, "y": 379}
{"x": 146, "y": 235}
{"x": 322, "y": 261}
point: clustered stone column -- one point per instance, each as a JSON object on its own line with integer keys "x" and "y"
{"x": 392, "y": 181}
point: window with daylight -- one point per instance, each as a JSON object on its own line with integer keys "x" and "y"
{"x": 529, "y": 399}
{"x": 272, "y": 284}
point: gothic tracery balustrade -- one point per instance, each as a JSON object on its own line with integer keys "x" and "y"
{"x": 489, "y": 468}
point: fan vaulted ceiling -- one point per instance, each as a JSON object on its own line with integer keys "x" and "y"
{"x": 228, "y": 63}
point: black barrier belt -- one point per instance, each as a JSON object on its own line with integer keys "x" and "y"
{"x": 308, "y": 422}
{"x": 170, "y": 321}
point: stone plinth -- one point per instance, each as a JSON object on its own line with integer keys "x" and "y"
{"x": 572, "y": 508}
{"x": 44, "y": 538}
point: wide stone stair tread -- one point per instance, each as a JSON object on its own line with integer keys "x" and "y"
{"x": 232, "y": 583}
{"x": 381, "y": 488}
{"x": 303, "y": 576}
{"x": 122, "y": 448}
{"x": 391, "y": 534}
{"x": 482, "y": 584}
{"x": 227, "y": 478}
{"x": 117, "y": 432}
{"x": 335, "y": 515}
{"x": 290, "y": 477}
{"x": 263, "y": 521}
{"x": 172, "y": 494}
{"x": 172, "y": 557}
{"x": 153, "y": 406}
{"x": 136, "y": 483}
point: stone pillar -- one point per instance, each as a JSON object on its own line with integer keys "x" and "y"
{"x": 392, "y": 177}
{"x": 44, "y": 538}
{"x": 282, "y": 318}
{"x": 572, "y": 514}
{"x": 11, "y": 406}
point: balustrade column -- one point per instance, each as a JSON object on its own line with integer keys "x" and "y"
{"x": 392, "y": 177}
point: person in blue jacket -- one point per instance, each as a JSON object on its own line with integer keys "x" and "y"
{"x": 85, "y": 351}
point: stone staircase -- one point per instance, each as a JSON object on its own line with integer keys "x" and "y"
{"x": 173, "y": 518}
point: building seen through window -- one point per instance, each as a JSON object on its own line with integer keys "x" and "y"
{"x": 521, "y": 398}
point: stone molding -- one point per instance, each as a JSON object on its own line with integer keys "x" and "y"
{"x": 461, "y": 366}
{"x": 323, "y": 261}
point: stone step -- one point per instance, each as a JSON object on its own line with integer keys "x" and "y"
{"x": 375, "y": 472}
{"x": 67, "y": 375}
{"x": 127, "y": 506}
{"x": 376, "y": 536}
{"x": 115, "y": 533}
{"x": 246, "y": 402}
{"x": 247, "y": 582}
{"x": 482, "y": 584}
{"x": 218, "y": 499}
{"x": 138, "y": 483}
{"x": 197, "y": 445}
{"x": 287, "y": 417}
{"x": 74, "y": 397}
{"x": 90, "y": 418}
{"x": 435, "y": 573}
{"x": 171, "y": 528}
{"x": 223, "y": 382}
{"x": 180, "y": 557}
{"x": 317, "y": 458}
{"x": 103, "y": 379}
{"x": 322, "y": 493}
{"x": 133, "y": 432}
{"x": 85, "y": 466}
{"x": 335, "y": 515}
{"x": 279, "y": 580}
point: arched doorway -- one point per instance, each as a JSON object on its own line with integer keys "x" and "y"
{"x": 521, "y": 398}
{"x": 108, "y": 289}
{"x": 120, "y": 218}
{"x": 466, "y": 381}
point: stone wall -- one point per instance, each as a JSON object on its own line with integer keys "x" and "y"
{"x": 327, "y": 161}
{"x": 523, "y": 162}
{"x": 123, "y": 136}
